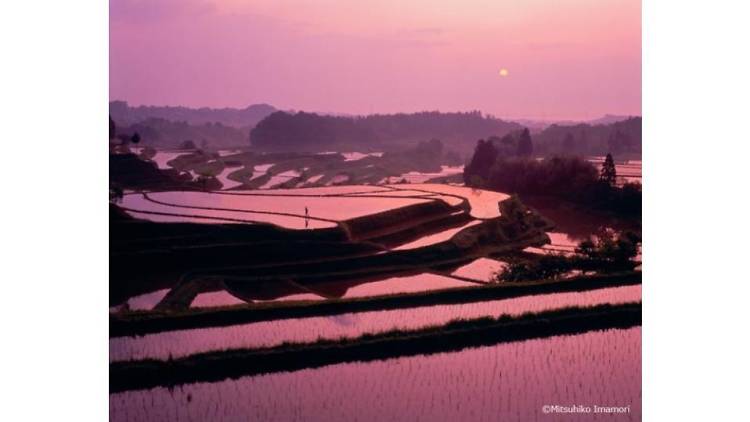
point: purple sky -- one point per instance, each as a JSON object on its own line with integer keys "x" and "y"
{"x": 565, "y": 59}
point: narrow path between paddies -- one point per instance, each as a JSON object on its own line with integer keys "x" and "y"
{"x": 456, "y": 335}
{"x": 176, "y": 344}
{"x": 145, "y": 322}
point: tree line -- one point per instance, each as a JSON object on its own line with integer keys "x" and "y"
{"x": 282, "y": 131}
{"x": 506, "y": 165}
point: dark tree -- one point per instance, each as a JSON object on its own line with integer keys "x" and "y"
{"x": 433, "y": 147}
{"x": 136, "y": 138}
{"x": 525, "y": 147}
{"x": 115, "y": 194}
{"x": 187, "y": 145}
{"x": 485, "y": 155}
{"x": 609, "y": 172}
{"x": 569, "y": 143}
{"x": 112, "y": 128}
{"x": 282, "y": 131}
{"x": 620, "y": 141}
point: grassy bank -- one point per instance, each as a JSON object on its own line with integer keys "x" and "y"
{"x": 139, "y": 323}
{"x": 454, "y": 336}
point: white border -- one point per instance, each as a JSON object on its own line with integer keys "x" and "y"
{"x": 53, "y": 103}
{"x": 695, "y": 172}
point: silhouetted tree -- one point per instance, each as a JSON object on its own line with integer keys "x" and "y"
{"x": 592, "y": 139}
{"x": 485, "y": 155}
{"x": 115, "y": 194}
{"x": 620, "y": 141}
{"x": 609, "y": 172}
{"x": 431, "y": 148}
{"x": 112, "y": 128}
{"x": 506, "y": 147}
{"x": 187, "y": 145}
{"x": 308, "y": 131}
{"x": 525, "y": 147}
{"x": 569, "y": 143}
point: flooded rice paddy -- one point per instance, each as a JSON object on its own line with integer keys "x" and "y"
{"x": 142, "y": 302}
{"x": 214, "y": 299}
{"x": 482, "y": 269}
{"x": 298, "y": 209}
{"x": 510, "y": 381}
{"x": 391, "y": 285}
{"x": 483, "y": 203}
{"x": 272, "y": 333}
{"x": 438, "y": 237}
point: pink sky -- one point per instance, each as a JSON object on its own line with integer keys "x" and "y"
{"x": 566, "y": 59}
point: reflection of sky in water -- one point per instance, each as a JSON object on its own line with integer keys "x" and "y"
{"x": 270, "y": 333}
{"x": 210, "y": 299}
{"x": 162, "y": 157}
{"x": 227, "y": 183}
{"x": 436, "y": 237}
{"x": 505, "y": 382}
{"x": 145, "y": 301}
{"x": 241, "y": 207}
{"x": 482, "y": 269}
{"x": 484, "y": 204}
{"x": 346, "y": 320}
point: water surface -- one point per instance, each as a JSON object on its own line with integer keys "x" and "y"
{"x": 271, "y": 333}
{"x": 506, "y": 382}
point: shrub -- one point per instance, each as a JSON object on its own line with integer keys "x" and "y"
{"x": 608, "y": 251}
{"x": 545, "y": 268}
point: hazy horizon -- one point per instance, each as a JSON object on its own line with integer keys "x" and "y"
{"x": 571, "y": 60}
{"x": 346, "y": 114}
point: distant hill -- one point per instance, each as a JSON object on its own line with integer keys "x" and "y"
{"x": 621, "y": 137}
{"x": 282, "y": 131}
{"x": 162, "y": 133}
{"x": 608, "y": 119}
{"x": 246, "y": 117}
{"x": 539, "y": 125}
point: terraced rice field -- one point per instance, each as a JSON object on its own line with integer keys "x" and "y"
{"x": 483, "y": 203}
{"x": 144, "y": 302}
{"x": 434, "y": 238}
{"x": 418, "y": 177}
{"x": 213, "y": 299}
{"x": 628, "y": 171}
{"x": 482, "y": 269}
{"x": 510, "y": 381}
{"x": 299, "y": 208}
{"x": 271, "y": 333}
{"x": 392, "y": 285}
